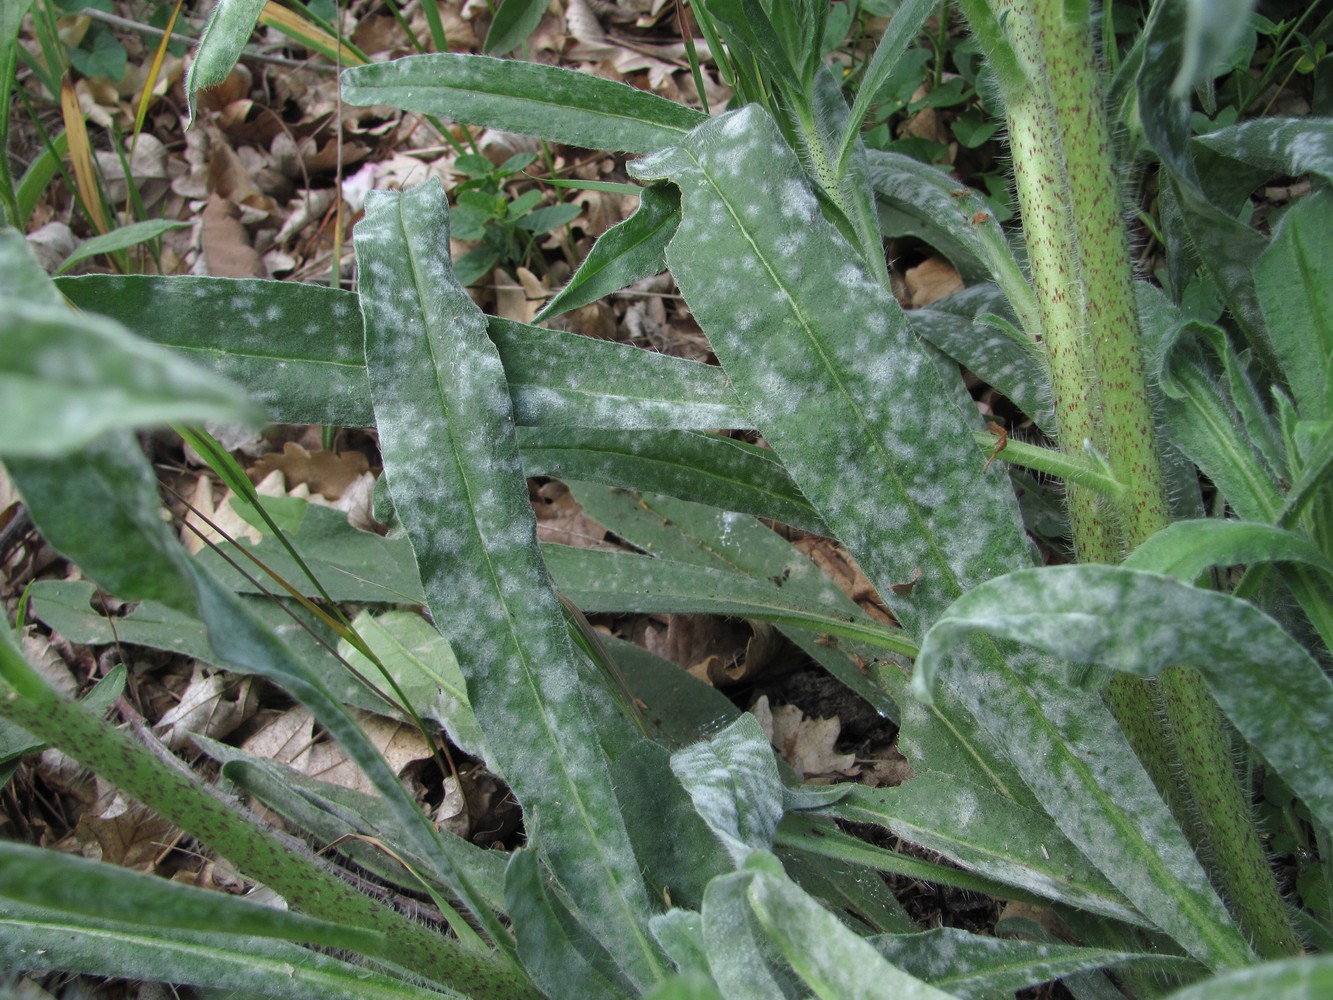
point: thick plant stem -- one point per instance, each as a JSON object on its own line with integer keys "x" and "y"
{"x": 1079, "y": 256}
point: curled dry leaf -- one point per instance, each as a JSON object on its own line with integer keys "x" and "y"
{"x": 213, "y": 705}
{"x": 933, "y": 279}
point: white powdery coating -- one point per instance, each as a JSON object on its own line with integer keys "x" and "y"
{"x": 443, "y": 411}
{"x": 822, "y": 359}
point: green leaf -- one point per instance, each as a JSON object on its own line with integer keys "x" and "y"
{"x": 229, "y": 27}
{"x": 708, "y": 468}
{"x": 624, "y": 254}
{"x": 843, "y": 966}
{"x": 67, "y": 378}
{"x": 1308, "y": 978}
{"x": 1187, "y": 548}
{"x": 1292, "y": 282}
{"x": 450, "y": 455}
{"x": 893, "y": 43}
{"x": 686, "y": 532}
{"x": 733, "y": 781}
{"x": 744, "y": 960}
{"x": 418, "y": 658}
{"x": 544, "y": 220}
{"x": 81, "y": 888}
{"x": 971, "y": 966}
{"x": 545, "y": 101}
{"x": 16, "y": 743}
{"x": 943, "y": 206}
{"x": 119, "y": 239}
{"x": 253, "y": 966}
{"x": 1142, "y": 623}
{"x": 1291, "y": 146}
{"x": 861, "y": 420}
{"x": 1212, "y": 27}
{"x": 513, "y": 23}
{"x": 990, "y": 835}
{"x": 297, "y": 349}
{"x": 555, "y": 950}
{"x": 559, "y": 379}
{"x": 621, "y": 581}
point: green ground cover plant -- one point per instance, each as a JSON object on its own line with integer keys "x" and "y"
{"x": 1084, "y": 737}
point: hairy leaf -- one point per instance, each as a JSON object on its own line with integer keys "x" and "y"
{"x": 1291, "y": 146}
{"x": 229, "y": 27}
{"x": 1142, "y": 623}
{"x": 446, "y": 432}
{"x": 1187, "y": 548}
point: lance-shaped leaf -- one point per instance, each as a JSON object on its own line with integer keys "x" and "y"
{"x": 298, "y": 350}
{"x": 843, "y": 966}
{"x": 66, "y": 377}
{"x": 102, "y": 891}
{"x": 446, "y": 431}
{"x": 692, "y": 465}
{"x": 954, "y": 218}
{"x": 1141, "y": 623}
{"x": 228, "y": 29}
{"x": 1187, "y": 548}
{"x": 249, "y": 965}
{"x": 626, "y": 252}
{"x": 545, "y": 101}
{"x": 1291, "y": 146}
{"x": 822, "y": 359}
{"x": 989, "y": 834}
{"x": 1308, "y": 978}
{"x": 973, "y": 966}
{"x": 1293, "y": 287}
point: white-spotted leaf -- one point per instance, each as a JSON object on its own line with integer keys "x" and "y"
{"x": 447, "y": 435}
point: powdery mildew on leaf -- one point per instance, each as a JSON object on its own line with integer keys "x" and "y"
{"x": 446, "y": 432}
{"x": 822, "y": 359}
{"x": 1141, "y": 623}
{"x": 733, "y": 781}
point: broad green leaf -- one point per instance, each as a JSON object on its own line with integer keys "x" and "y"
{"x": 126, "y": 547}
{"x": 856, "y": 892}
{"x": 119, "y": 239}
{"x": 250, "y": 965}
{"x": 1291, "y": 146}
{"x": 1142, "y": 623}
{"x": 679, "y": 851}
{"x": 622, "y": 255}
{"x": 67, "y": 378}
{"x": 860, "y": 419}
{"x": 988, "y": 834}
{"x": 681, "y": 708}
{"x": 1187, "y": 548}
{"x": 297, "y": 349}
{"x": 680, "y": 933}
{"x": 1307, "y": 978}
{"x": 514, "y": 21}
{"x": 78, "y": 888}
{"x": 692, "y": 465}
{"x": 446, "y": 433}
{"x": 420, "y": 660}
{"x": 943, "y": 206}
{"x": 733, "y": 781}
{"x": 545, "y": 101}
{"x": 556, "y": 952}
{"x": 1293, "y": 287}
{"x": 973, "y": 966}
{"x": 843, "y": 966}
{"x": 599, "y": 580}
{"x": 229, "y": 27}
